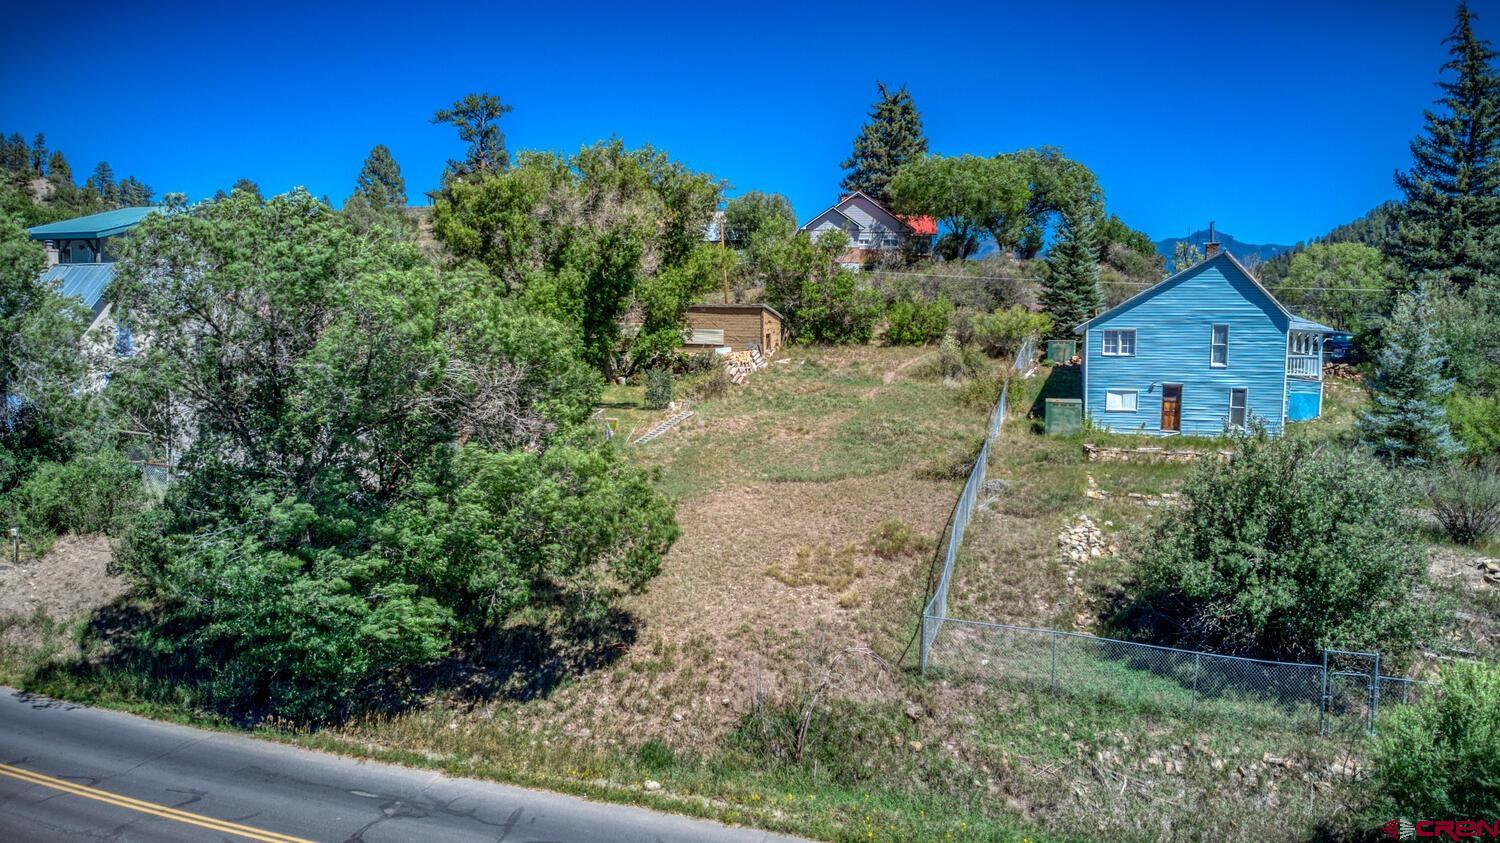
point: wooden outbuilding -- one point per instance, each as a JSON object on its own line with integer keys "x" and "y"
{"x": 738, "y": 327}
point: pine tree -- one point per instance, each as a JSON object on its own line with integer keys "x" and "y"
{"x": 102, "y": 181}
{"x": 58, "y": 170}
{"x": 15, "y": 155}
{"x": 379, "y": 183}
{"x": 134, "y": 193}
{"x": 246, "y": 185}
{"x": 1450, "y": 222}
{"x": 477, "y": 118}
{"x": 892, "y": 137}
{"x": 39, "y": 154}
{"x": 1070, "y": 286}
{"x": 1406, "y": 422}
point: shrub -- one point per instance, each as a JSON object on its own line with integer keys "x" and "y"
{"x": 1440, "y": 757}
{"x": 913, "y": 322}
{"x": 714, "y": 383}
{"x": 1466, "y": 501}
{"x": 838, "y": 309}
{"x": 955, "y": 361}
{"x": 1001, "y": 333}
{"x": 658, "y": 389}
{"x": 893, "y": 539}
{"x": 92, "y": 493}
{"x": 1475, "y": 420}
{"x": 1283, "y": 550}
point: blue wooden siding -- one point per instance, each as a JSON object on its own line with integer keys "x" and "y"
{"x": 1304, "y": 399}
{"x": 1174, "y": 325}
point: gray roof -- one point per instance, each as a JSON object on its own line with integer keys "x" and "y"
{"x": 83, "y": 281}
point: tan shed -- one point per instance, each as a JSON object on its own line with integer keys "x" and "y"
{"x": 736, "y": 326}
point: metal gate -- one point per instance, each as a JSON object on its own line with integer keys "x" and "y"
{"x": 1351, "y": 691}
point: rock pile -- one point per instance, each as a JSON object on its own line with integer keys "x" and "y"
{"x": 1491, "y": 569}
{"x": 1084, "y": 541}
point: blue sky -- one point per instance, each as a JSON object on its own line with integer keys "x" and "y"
{"x": 1277, "y": 119}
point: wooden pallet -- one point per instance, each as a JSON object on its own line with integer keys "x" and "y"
{"x": 663, "y": 426}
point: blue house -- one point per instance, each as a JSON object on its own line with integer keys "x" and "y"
{"x": 1206, "y": 350}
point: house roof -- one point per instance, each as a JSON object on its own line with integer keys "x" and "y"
{"x": 104, "y": 224}
{"x": 917, "y": 225}
{"x": 926, "y": 226}
{"x": 712, "y": 306}
{"x": 84, "y": 281}
{"x": 1294, "y": 321}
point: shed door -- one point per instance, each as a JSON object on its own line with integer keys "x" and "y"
{"x": 1171, "y": 406}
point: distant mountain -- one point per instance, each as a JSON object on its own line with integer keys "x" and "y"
{"x": 1248, "y": 253}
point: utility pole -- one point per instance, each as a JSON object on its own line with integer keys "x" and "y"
{"x": 723, "y": 221}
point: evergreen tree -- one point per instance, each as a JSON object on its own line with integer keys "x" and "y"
{"x": 892, "y": 137}
{"x": 39, "y": 153}
{"x": 245, "y": 185}
{"x": 1406, "y": 422}
{"x": 102, "y": 182}
{"x": 477, "y": 118}
{"x": 133, "y": 193}
{"x": 15, "y": 155}
{"x": 1450, "y": 222}
{"x": 379, "y": 184}
{"x": 1070, "y": 287}
{"x": 58, "y": 170}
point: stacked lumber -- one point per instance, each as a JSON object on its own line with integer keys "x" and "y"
{"x": 740, "y": 365}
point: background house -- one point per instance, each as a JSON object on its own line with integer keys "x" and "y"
{"x": 1207, "y": 349}
{"x": 81, "y": 262}
{"x": 872, "y": 229}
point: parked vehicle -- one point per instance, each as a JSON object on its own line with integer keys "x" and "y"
{"x": 1338, "y": 347}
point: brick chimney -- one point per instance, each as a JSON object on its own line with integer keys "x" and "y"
{"x": 1211, "y": 248}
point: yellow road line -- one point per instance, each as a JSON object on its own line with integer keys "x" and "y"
{"x": 148, "y": 807}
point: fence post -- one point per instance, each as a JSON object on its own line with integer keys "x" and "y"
{"x": 1374, "y": 692}
{"x": 1197, "y": 662}
{"x": 1323, "y": 699}
{"x": 1054, "y": 662}
{"x": 922, "y": 650}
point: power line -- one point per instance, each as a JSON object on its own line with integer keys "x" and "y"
{"x": 1139, "y": 286}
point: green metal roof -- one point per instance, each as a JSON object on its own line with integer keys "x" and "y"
{"x": 106, "y": 224}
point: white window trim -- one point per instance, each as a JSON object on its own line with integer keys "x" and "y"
{"x": 1104, "y": 345}
{"x": 1230, "y": 416}
{"x": 1212, "y": 345}
{"x": 1135, "y": 395}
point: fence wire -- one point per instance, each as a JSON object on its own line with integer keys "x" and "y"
{"x": 1342, "y": 695}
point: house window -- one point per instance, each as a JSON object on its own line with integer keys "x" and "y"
{"x": 1218, "y": 345}
{"x": 1119, "y": 343}
{"x": 1119, "y": 400}
{"x": 705, "y": 336}
{"x": 1238, "y": 400}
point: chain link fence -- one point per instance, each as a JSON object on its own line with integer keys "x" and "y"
{"x": 1343, "y": 694}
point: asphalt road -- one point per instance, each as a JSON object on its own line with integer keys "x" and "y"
{"x": 69, "y": 772}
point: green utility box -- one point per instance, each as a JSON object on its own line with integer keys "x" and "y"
{"x": 1064, "y": 416}
{"x": 1061, "y": 351}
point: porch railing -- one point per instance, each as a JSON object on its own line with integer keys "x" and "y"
{"x": 1304, "y": 366}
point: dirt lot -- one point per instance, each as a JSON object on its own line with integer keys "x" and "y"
{"x": 68, "y": 582}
